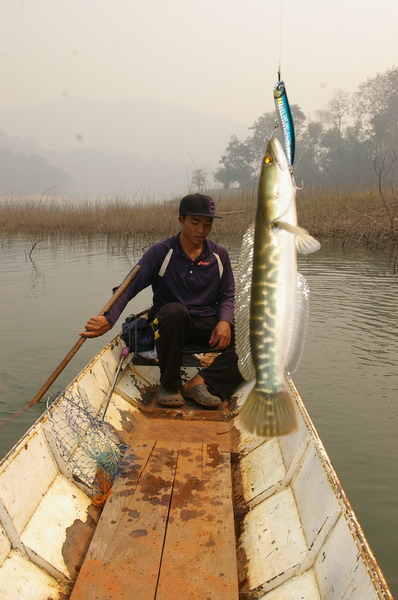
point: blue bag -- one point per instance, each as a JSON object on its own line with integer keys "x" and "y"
{"x": 137, "y": 334}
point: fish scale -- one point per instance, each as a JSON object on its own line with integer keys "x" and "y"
{"x": 264, "y": 310}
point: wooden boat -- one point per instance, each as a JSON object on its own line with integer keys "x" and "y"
{"x": 200, "y": 510}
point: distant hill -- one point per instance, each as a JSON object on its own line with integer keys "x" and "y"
{"x": 25, "y": 170}
{"x": 121, "y": 146}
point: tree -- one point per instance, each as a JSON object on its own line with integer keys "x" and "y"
{"x": 198, "y": 179}
{"x": 339, "y": 148}
{"x": 237, "y": 163}
{"x": 263, "y": 128}
{"x": 242, "y": 160}
{"x": 344, "y": 159}
{"x": 225, "y": 176}
{"x": 337, "y": 110}
{"x": 309, "y": 154}
{"x": 376, "y": 110}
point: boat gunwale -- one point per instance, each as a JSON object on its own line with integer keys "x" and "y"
{"x": 368, "y": 558}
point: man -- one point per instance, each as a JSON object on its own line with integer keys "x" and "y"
{"x": 193, "y": 299}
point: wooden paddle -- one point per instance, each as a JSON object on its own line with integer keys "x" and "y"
{"x": 130, "y": 277}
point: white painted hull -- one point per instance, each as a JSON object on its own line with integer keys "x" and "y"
{"x": 297, "y": 534}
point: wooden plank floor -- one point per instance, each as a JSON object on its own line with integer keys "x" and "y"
{"x": 221, "y": 433}
{"x": 167, "y": 530}
{"x": 199, "y": 556}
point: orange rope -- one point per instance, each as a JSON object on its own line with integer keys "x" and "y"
{"x": 105, "y": 484}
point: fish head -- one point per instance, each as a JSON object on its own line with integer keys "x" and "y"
{"x": 279, "y": 89}
{"x": 275, "y": 188}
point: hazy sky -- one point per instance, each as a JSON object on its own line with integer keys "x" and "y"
{"x": 219, "y": 56}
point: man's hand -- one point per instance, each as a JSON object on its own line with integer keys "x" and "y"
{"x": 221, "y": 336}
{"x": 95, "y": 327}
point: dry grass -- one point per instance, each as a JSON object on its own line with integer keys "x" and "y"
{"x": 117, "y": 217}
{"x": 369, "y": 217}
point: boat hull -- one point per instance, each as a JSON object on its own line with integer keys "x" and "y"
{"x": 288, "y": 522}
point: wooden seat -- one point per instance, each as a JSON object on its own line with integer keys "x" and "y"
{"x": 189, "y": 356}
{"x": 167, "y": 531}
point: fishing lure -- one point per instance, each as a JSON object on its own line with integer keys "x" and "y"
{"x": 285, "y": 121}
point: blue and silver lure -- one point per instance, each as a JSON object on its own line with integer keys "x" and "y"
{"x": 285, "y": 120}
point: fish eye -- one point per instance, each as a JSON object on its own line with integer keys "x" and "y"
{"x": 279, "y": 90}
{"x": 268, "y": 160}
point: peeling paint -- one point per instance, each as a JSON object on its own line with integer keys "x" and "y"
{"x": 77, "y": 541}
{"x": 257, "y": 541}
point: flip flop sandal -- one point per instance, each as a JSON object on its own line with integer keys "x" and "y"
{"x": 202, "y": 396}
{"x": 169, "y": 398}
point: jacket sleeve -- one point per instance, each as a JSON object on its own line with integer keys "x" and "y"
{"x": 150, "y": 264}
{"x": 226, "y": 292}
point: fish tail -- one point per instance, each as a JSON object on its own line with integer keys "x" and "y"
{"x": 268, "y": 414}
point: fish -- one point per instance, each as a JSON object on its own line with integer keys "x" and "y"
{"x": 285, "y": 120}
{"x": 272, "y": 299}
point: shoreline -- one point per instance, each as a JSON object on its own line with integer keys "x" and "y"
{"x": 367, "y": 218}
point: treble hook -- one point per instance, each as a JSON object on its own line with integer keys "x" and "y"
{"x": 276, "y": 125}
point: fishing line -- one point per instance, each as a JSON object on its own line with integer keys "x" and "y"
{"x": 276, "y": 124}
{"x": 280, "y": 40}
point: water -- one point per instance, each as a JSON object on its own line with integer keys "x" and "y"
{"x": 348, "y": 376}
{"x": 348, "y": 379}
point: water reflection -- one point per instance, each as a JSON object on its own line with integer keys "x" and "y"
{"x": 357, "y": 297}
{"x": 37, "y": 280}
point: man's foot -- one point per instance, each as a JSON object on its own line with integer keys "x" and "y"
{"x": 168, "y": 397}
{"x": 201, "y": 395}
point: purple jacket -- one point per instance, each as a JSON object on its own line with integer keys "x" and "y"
{"x": 205, "y": 286}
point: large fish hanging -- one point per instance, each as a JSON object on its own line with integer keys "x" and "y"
{"x": 271, "y": 299}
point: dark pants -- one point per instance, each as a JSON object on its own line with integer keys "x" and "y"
{"x": 178, "y": 328}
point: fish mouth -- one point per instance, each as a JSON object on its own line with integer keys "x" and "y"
{"x": 276, "y": 152}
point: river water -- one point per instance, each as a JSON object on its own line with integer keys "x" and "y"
{"x": 348, "y": 376}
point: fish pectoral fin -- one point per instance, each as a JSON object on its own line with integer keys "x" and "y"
{"x": 305, "y": 243}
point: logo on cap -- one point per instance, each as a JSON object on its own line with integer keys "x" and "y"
{"x": 198, "y": 204}
{"x": 212, "y": 206}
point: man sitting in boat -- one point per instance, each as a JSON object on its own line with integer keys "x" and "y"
{"x": 193, "y": 303}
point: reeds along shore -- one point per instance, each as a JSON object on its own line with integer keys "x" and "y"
{"x": 369, "y": 217}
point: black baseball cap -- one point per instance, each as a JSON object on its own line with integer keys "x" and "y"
{"x": 198, "y": 205}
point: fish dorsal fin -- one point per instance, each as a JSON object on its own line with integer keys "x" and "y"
{"x": 242, "y": 305}
{"x": 301, "y": 312}
{"x": 305, "y": 243}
